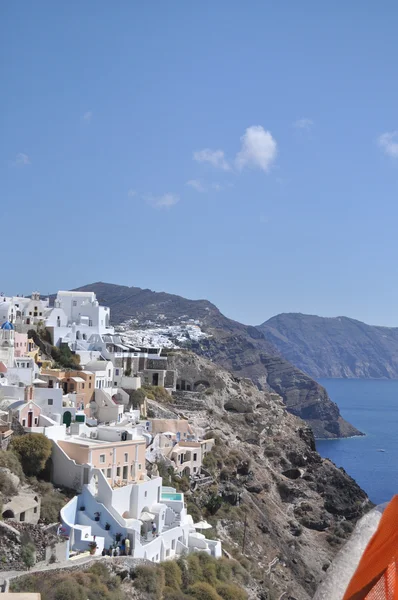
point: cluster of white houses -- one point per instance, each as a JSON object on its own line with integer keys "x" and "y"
{"x": 100, "y": 442}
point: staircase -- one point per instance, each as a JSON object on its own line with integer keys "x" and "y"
{"x": 190, "y": 404}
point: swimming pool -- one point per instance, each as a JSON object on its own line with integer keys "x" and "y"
{"x": 170, "y": 496}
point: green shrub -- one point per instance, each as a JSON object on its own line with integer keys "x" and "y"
{"x": 230, "y": 591}
{"x": 50, "y": 507}
{"x": 65, "y": 358}
{"x": 150, "y": 580}
{"x": 194, "y": 511}
{"x": 172, "y": 574}
{"x": 28, "y": 552}
{"x": 156, "y": 392}
{"x": 67, "y": 589}
{"x": 209, "y": 573}
{"x": 137, "y": 397}
{"x": 9, "y": 460}
{"x": 239, "y": 573}
{"x": 224, "y": 569}
{"x": 210, "y": 462}
{"x": 171, "y": 594}
{"x": 33, "y": 451}
{"x": 7, "y": 487}
{"x": 203, "y": 591}
{"x": 194, "y": 569}
{"x": 213, "y": 504}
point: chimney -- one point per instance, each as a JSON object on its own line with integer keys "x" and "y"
{"x": 29, "y": 393}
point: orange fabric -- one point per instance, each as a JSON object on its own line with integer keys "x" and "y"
{"x": 376, "y": 577}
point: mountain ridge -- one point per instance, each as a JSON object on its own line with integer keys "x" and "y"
{"x": 339, "y": 347}
{"x": 239, "y": 348}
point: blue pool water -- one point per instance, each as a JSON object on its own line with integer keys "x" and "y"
{"x": 372, "y": 406}
{"x": 170, "y": 496}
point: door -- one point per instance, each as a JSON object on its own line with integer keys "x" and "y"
{"x": 125, "y": 472}
{"x": 155, "y": 379}
{"x": 30, "y": 418}
{"x": 67, "y": 418}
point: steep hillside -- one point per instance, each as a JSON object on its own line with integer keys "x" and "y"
{"x": 334, "y": 347}
{"x": 237, "y": 347}
{"x": 298, "y": 507}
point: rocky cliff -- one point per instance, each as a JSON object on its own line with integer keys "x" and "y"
{"x": 334, "y": 347}
{"x": 237, "y": 347}
{"x": 298, "y": 508}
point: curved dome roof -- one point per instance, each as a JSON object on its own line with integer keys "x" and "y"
{"x": 7, "y": 325}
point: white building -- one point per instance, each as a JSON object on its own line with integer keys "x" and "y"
{"x": 103, "y": 372}
{"x": 7, "y": 310}
{"x": 77, "y": 316}
{"x": 23, "y": 372}
{"x": 22, "y": 311}
{"x": 153, "y": 518}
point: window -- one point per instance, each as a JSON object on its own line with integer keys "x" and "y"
{"x": 36, "y": 420}
{"x": 157, "y": 557}
{"x": 89, "y": 385}
{"x": 146, "y": 494}
{"x": 140, "y": 467}
{"x": 126, "y": 457}
{"x": 50, "y": 402}
{"x": 173, "y": 544}
{"x": 40, "y": 314}
{"x": 109, "y": 473}
{"x": 22, "y": 516}
{"x": 102, "y": 458}
{"x": 132, "y": 470}
{"x": 23, "y": 422}
{"x": 162, "y": 516}
{"x": 117, "y": 471}
{"x": 195, "y": 456}
{"x": 82, "y": 386}
{"x": 109, "y": 372}
{"x": 168, "y": 552}
{"x": 35, "y": 509}
{"x": 74, "y": 302}
{"x": 71, "y": 387}
{"x": 117, "y": 372}
{"x": 90, "y": 323}
{"x": 30, "y": 313}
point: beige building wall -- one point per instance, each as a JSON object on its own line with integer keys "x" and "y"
{"x": 77, "y": 452}
{"x": 175, "y": 425}
{"x": 119, "y": 461}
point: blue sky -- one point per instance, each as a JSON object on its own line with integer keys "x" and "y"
{"x": 240, "y": 152}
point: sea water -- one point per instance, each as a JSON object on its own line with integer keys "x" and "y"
{"x": 372, "y": 407}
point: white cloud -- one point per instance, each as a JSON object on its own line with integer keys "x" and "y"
{"x": 21, "y": 160}
{"x": 88, "y": 116}
{"x": 258, "y": 149}
{"x": 131, "y": 193}
{"x": 303, "y": 123}
{"x": 389, "y": 143}
{"x": 214, "y": 157}
{"x": 164, "y": 201}
{"x": 196, "y": 185}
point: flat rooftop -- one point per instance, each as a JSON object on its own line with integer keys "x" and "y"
{"x": 82, "y": 441}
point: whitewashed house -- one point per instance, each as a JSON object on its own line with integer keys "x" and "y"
{"x": 118, "y": 500}
{"x": 77, "y": 316}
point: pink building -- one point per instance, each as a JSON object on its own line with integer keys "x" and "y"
{"x": 20, "y": 344}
